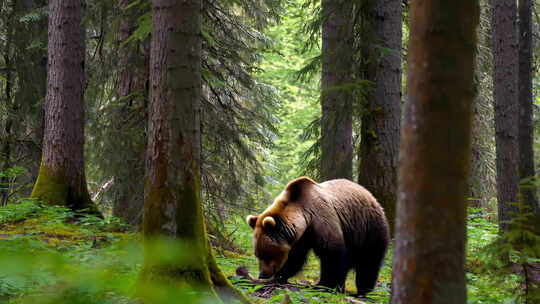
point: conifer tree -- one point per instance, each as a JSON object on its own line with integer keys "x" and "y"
{"x": 61, "y": 178}
{"x": 173, "y": 207}
{"x": 429, "y": 252}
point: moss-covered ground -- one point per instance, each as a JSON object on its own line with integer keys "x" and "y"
{"x": 53, "y": 255}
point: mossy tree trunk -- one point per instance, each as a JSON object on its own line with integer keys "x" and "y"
{"x": 336, "y": 93}
{"x": 505, "y": 95}
{"x": 172, "y": 207}
{"x": 381, "y": 118}
{"x": 61, "y": 178}
{"x": 429, "y": 256}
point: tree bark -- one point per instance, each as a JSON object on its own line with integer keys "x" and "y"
{"x": 336, "y": 94}
{"x": 529, "y": 201}
{"x": 61, "y": 178}
{"x": 7, "y": 137}
{"x": 483, "y": 184}
{"x": 31, "y": 70}
{"x": 505, "y": 95}
{"x": 381, "y": 118}
{"x": 127, "y": 135}
{"x": 172, "y": 206}
{"x": 429, "y": 256}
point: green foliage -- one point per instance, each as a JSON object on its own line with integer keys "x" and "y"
{"x": 145, "y": 26}
{"x": 11, "y": 175}
{"x": 298, "y": 105}
{"x": 494, "y": 263}
{"x": 34, "y": 15}
{"x": 54, "y": 255}
{"x": 18, "y": 212}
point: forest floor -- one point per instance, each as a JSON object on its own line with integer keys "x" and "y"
{"x": 52, "y": 255}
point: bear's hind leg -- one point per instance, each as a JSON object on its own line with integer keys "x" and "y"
{"x": 367, "y": 272}
{"x": 334, "y": 269}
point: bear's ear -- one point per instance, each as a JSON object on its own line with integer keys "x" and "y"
{"x": 268, "y": 222}
{"x": 251, "y": 220}
{"x": 297, "y": 188}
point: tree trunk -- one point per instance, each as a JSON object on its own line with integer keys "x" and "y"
{"x": 61, "y": 178}
{"x": 172, "y": 206}
{"x": 529, "y": 208}
{"x": 526, "y": 128}
{"x": 10, "y": 107}
{"x": 336, "y": 93}
{"x": 127, "y": 134}
{"x": 429, "y": 256}
{"x": 505, "y": 95}
{"x": 483, "y": 184}
{"x": 31, "y": 70}
{"x": 381, "y": 118}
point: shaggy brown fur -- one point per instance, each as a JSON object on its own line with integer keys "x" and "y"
{"x": 340, "y": 220}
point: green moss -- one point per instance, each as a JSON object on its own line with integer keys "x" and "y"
{"x": 50, "y": 187}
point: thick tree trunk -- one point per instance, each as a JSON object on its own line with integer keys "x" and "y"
{"x": 526, "y": 128}
{"x": 172, "y": 206}
{"x": 61, "y": 177}
{"x": 429, "y": 254}
{"x": 127, "y": 134}
{"x": 381, "y": 118}
{"x": 336, "y": 94}
{"x": 505, "y": 95}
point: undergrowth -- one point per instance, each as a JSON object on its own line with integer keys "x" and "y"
{"x": 54, "y": 255}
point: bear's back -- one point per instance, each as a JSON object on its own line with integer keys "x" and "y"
{"x": 358, "y": 211}
{"x": 343, "y": 191}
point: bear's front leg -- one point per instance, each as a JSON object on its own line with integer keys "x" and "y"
{"x": 295, "y": 261}
{"x": 334, "y": 269}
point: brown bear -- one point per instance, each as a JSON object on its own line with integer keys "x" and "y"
{"x": 340, "y": 220}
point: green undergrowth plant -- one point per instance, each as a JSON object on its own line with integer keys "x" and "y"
{"x": 495, "y": 263}
{"x": 54, "y": 255}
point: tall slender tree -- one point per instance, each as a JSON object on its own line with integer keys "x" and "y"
{"x": 505, "y": 95}
{"x": 483, "y": 184}
{"x": 61, "y": 178}
{"x": 172, "y": 206}
{"x": 381, "y": 117}
{"x": 526, "y": 129}
{"x": 336, "y": 94}
{"x": 429, "y": 256}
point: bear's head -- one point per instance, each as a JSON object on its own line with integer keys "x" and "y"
{"x": 280, "y": 226}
